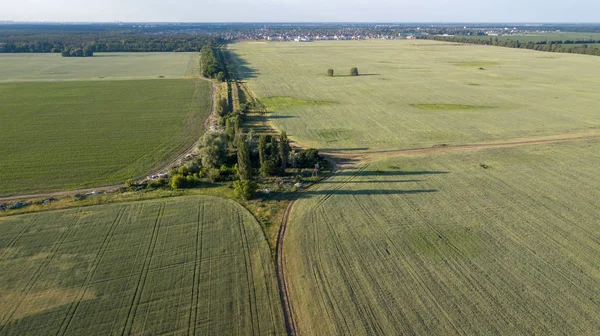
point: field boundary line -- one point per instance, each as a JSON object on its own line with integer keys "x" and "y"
{"x": 288, "y": 312}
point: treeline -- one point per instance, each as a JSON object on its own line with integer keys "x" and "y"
{"x": 104, "y": 41}
{"x": 215, "y": 62}
{"x": 566, "y": 46}
{"x": 78, "y": 52}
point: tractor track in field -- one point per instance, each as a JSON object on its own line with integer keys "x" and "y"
{"x": 288, "y": 312}
{"x": 331, "y": 157}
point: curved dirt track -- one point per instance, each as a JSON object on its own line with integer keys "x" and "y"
{"x": 462, "y": 147}
{"x": 288, "y": 312}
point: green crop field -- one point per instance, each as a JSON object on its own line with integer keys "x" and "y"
{"x": 191, "y": 265}
{"x": 419, "y": 93}
{"x": 103, "y": 66}
{"x": 492, "y": 241}
{"x": 58, "y": 135}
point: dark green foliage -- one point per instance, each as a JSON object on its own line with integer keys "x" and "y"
{"x": 550, "y": 46}
{"x": 221, "y": 76}
{"x": 262, "y": 148}
{"x": 270, "y": 168}
{"x": 354, "y": 72}
{"x": 244, "y": 189}
{"x": 243, "y": 156}
{"x": 44, "y": 40}
{"x": 78, "y": 52}
{"x": 284, "y": 149}
{"x": 330, "y": 72}
{"x": 307, "y": 158}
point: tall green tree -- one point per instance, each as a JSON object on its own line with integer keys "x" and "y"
{"x": 284, "y": 149}
{"x": 243, "y": 158}
{"x": 262, "y": 148}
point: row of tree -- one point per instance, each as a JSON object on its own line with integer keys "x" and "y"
{"x": 102, "y": 41}
{"x": 568, "y": 46}
{"x": 215, "y": 62}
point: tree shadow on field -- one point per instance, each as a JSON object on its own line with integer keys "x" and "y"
{"x": 279, "y": 117}
{"x": 359, "y": 75}
{"x": 388, "y": 173}
{"x": 243, "y": 69}
{"x": 311, "y": 193}
{"x": 368, "y": 176}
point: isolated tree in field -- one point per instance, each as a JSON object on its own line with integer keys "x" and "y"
{"x": 284, "y": 149}
{"x": 262, "y": 148}
{"x": 330, "y": 72}
{"x": 354, "y": 72}
{"x": 243, "y": 158}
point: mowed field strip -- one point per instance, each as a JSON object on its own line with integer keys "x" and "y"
{"x": 414, "y": 94}
{"x": 189, "y": 265}
{"x": 489, "y": 241}
{"x": 79, "y": 133}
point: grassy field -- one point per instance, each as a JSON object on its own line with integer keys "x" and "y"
{"x": 495, "y": 241}
{"x": 191, "y": 265}
{"x": 516, "y": 93}
{"x": 73, "y": 134}
{"x": 103, "y": 66}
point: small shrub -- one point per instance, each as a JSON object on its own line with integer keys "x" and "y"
{"x": 129, "y": 183}
{"x": 330, "y": 72}
{"x": 354, "y": 72}
{"x": 213, "y": 175}
{"x": 178, "y": 181}
{"x": 244, "y": 189}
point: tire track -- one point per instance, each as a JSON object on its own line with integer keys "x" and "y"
{"x": 249, "y": 276}
{"x": 197, "y": 271}
{"x": 103, "y": 247}
{"x": 288, "y": 313}
{"x": 144, "y": 274}
{"x": 38, "y": 272}
{"x": 18, "y": 237}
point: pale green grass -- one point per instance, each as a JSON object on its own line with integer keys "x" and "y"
{"x": 532, "y": 94}
{"x": 103, "y": 66}
{"x": 190, "y": 265}
{"x": 487, "y": 242}
{"x": 69, "y": 135}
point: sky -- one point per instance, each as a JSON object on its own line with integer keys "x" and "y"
{"x": 301, "y": 10}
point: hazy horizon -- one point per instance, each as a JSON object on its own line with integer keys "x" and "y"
{"x": 301, "y": 11}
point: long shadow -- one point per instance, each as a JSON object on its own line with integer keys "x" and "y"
{"x": 360, "y": 75}
{"x": 279, "y": 117}
{"x": 335, "y": 150}
{"x": 311, "y": 193}
{"x": 243, "y": 69}
{"x": 370, "y": 181}
{"x": 388, "y": 173}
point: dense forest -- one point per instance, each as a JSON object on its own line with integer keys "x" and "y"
{"x": 564, "y": 46}
{"x": 58, "y": 39}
